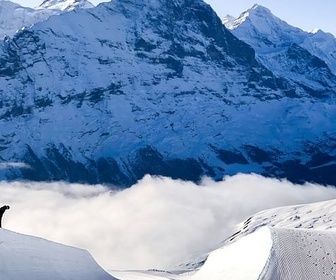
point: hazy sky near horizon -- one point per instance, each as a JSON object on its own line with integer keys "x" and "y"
{"x": 304, "y": 14}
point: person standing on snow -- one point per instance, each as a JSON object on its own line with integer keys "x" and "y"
{"x": 2, "y": 211}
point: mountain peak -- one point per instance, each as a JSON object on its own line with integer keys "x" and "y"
{"x": 228, "y": 20}
{"x": 65, "y": 5}
{"x": 257, "y": 7}
{"x": 255, "y": 13}
{"x": 259, "y": 21}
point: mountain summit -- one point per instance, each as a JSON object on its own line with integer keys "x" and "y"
{"x": 65, "y": 5}
{"x": 266, "y": 33}
{"x": 130, "y": 88}
{"x": 14, "y": 17}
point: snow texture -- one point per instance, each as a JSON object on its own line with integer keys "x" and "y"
{"x": 65, "y": 5}
{"x": 14, "y": 17}
{"x": 299, "y": 254}
{"x": 242, "y": 260}
{"x": 111, "y": 90}
{"x": 31, "y": 258}
{"x": 269, "y": 36}
{"x": 295, "y": 242}
{"x": 274, "y": 254}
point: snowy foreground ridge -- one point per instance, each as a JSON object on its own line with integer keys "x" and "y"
{"x": 267, "y": 254}
{"x": 275, "y": 253}
{"x": 292, "y": 243}
{"x": 24, "y": 257}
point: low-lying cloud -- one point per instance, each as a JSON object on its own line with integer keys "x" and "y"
{"x": 156, "y": 223}
{"x": 8, "y": 165}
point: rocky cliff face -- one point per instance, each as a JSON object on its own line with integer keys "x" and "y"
{"x": 161, "y": 87}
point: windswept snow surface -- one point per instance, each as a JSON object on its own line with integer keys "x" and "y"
{"x": 295, "y": 242}
{"x": 243, "y": 260}
{"x": 319, "y": 216}
{"x": 299, "y": 254}
{"x": 267, "y": 254}
{"x": 274, "y": 254}
{"x": 31, "y": 258}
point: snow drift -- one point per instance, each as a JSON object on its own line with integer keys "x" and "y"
{"x": 274, "y": 253}
{"x": 31, "y": 258}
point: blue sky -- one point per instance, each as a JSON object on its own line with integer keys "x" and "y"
{"x": 305, "y": 14}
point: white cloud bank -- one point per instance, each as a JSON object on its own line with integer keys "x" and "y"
{"x": 156, "y": 223}
{"x": 6, "y": 165}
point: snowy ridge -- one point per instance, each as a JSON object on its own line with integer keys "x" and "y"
{"x": 30, "y": 258}
{"x": 313, "y": 219}
{"x": 300, "y": 232}
{"x": 65, "y": 5}
{"x": 295, "y": 241}
{"x": 318, "y": 216}
{"x": 274, "y": 253}
{"x": 269, "y": 35}
{"x": 14, "y": 17}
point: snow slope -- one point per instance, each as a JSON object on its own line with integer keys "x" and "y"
{"x": 31, "y": 258}
{"x": 14, "y": 17}
{"x": 295, "y": 242}
{"x": 269, "y": 35}
{"x": 304, "y": 232}
{"x": 301, "y": 254}
{"x": 65, "y": 5}
{"x": 274, "y": 253}
{"x": 242, "y": 260}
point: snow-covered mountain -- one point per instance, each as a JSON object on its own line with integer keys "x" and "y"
{"x": 112, "y": 93}
{"x": 65, "y": 5}
{"x": 271, "y": 36}
{"x": 31, "y": 258}
{"x": 13, "y": 17}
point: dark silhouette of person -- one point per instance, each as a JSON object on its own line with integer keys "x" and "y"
{"x": 2, "y": 211}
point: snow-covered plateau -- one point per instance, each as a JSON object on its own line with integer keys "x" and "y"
{"x": 129, "y": 88}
